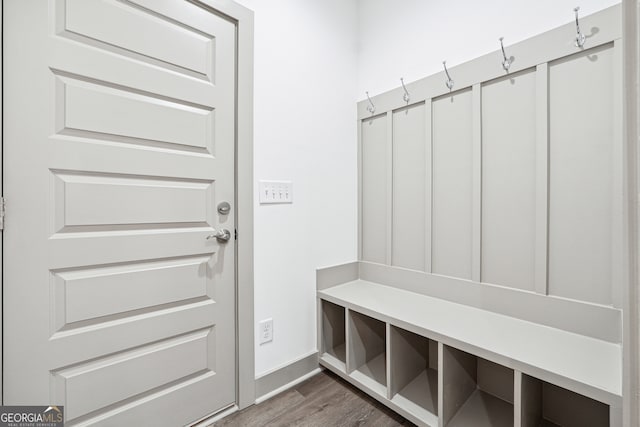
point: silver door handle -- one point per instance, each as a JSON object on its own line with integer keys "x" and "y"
{"x": 222, "y": 235}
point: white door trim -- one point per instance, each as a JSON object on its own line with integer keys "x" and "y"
{"x": 631, "y": 313}
{"x": 244, "y": 193}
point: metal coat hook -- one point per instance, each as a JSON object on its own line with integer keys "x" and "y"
{"x": 406, "y": 96}
{"x": 580, "y": 38}
{"x": 370, "y": 108}
{"x": 506, "y": 63}
{"x": 449, "y": 81}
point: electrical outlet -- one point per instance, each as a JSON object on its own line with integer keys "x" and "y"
{"x": 265, "y": 329}
{"x": 276, "y": 192}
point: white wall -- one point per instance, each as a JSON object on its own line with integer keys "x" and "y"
{"x": 305, "y": 82}
{"x": 411, "y": 38}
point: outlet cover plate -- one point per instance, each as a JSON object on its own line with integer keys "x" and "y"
{"x": 265, "y": 330}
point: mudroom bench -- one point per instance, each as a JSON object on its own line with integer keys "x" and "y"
{"x": 441, "y": 363}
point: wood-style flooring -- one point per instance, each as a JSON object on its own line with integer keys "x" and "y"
{"x": 324, "y": 400}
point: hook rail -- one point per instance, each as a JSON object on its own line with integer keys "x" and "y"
{"x": 507, "y": 62}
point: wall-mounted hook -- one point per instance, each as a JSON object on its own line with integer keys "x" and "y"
{"x": 406, "y": 96}
{"x": 449, "y": 81}
{"x": 506, "y": 62}
{"x": 370, "y": 108}
{"x": 580, "y": 38}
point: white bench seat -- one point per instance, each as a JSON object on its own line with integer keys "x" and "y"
{"x": 582, "y": 364}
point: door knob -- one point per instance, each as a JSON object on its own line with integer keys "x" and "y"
{"x": 222, "y": 235}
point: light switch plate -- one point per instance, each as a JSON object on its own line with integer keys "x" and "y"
{"x": 272, "y": 192}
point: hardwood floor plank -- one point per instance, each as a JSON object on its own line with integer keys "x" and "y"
{"x": 323, "y": 400}
{"x": 330, "y": 405}
{"x": 263, "y": 414}
{"x": 316, "y": 384}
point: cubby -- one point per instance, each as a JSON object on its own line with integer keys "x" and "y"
{"x": 476, "y": 392}
{"x": 547, "y": 405}
{"x": 413, "y": 381}
{"x": 367, "y": 351}
{"x": 333, "y": 343}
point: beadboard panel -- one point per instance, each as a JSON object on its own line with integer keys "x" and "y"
{"x": 374, "y": 189}
{"x": 409, "y": 187}
{"x": 508, "y": 180}
{"x": 452, "y": 185}
{"x": 581, "y": 175}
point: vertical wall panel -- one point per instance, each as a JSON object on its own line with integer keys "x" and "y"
{"x": 374, "y": 189}
{"x": 509, "y": 180}
{"x": 452, "y": 185}
{"x": 580, "y": 175}
{"x": 409, "y": 181}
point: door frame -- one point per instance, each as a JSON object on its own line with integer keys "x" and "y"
{"x": 631, "y": 314}
{"x": 631, "y": 309}
{"x": 245, "y": 351}
{"x": 245, "y": 359}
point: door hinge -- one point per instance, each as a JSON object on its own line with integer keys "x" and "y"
{"x": 2, "y": 210}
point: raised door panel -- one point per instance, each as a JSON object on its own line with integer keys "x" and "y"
{"x": 101, "y": 383}
{"x": 159, "y": 47}
{"x": 106, "y": 112}
{"x": 182, "y": 47}
{"x": 452, "y": 185}
{"x": 581, "y": 120}
{"x": 86, "y": 202}
{"x": 409, "y": 188}
{"x": 509, "y": 180}
{"x": 374, "y": 189}
{"x": 83, "y": 295}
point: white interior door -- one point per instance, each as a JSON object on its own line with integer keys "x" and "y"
{"x": 119, "y": 145}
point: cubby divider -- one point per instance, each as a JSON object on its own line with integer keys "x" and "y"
{"x": 413, "y": 380}
{"x": 548, "y": 405}
{"x": 476, "y": 392}
{"x": 333, "y": 343}
{"x": 367, "y": 351}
